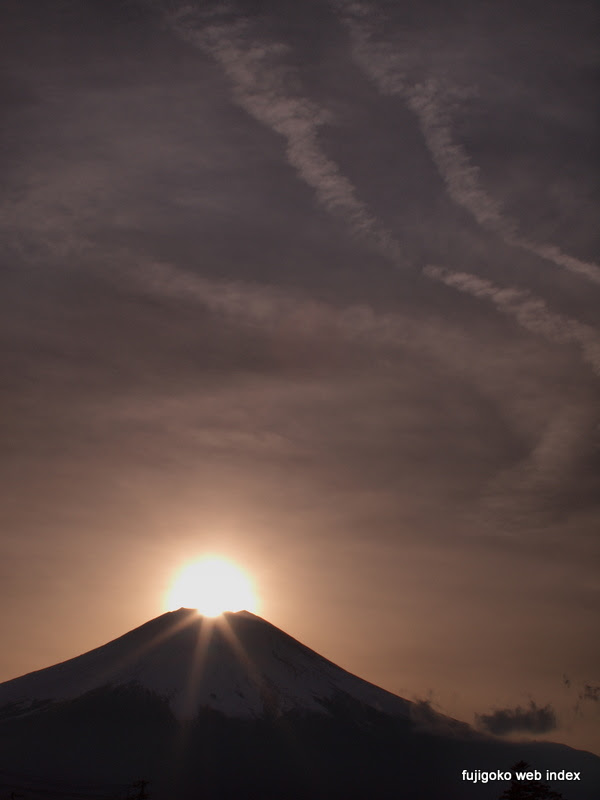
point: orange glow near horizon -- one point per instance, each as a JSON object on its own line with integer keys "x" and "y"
{"x": 212, "y": 586}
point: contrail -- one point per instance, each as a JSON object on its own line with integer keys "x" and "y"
{"x": 530, "y": 312}
{"x": 261, "y": 87}
{"x": 431, "y": 102}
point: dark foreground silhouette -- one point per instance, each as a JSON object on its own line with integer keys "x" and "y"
{"x": 105, "y": 739}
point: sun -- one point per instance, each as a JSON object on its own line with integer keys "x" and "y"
{"x": 212, "y": 586}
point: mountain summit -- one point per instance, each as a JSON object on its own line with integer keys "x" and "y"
{"x": 233, "y": 707}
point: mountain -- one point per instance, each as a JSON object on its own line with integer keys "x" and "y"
{"x": 236, "y": 708}
{"x": 248, "y": 668}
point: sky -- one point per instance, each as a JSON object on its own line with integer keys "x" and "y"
{"x": 313, "y": 287}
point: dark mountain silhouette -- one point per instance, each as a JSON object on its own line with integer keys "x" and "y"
{"x": 189, "y": 707}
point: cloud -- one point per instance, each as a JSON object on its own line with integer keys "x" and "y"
{"x": 505, "y": 721}
{"x": 265, "y": 87}
{"x": 434, "y": 103}
{"x": 460, "y": 175}
{"x": 278, "y": 312}
{"x": 428, "y": 720}
{"x": 553, "y": 478}
{"x": 529, "y": 311}
{"x": 294, "y": 314}
{"x": 590, "y": 692}
{"x": 586, "y": 693}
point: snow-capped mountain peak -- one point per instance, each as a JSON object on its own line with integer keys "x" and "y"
{"x": 237, "y": 664}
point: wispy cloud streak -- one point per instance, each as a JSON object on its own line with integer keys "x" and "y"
{"x": 530, "y": 312}
{"x": 433, "y": 103}
{"x": 552, "y": 458}
{"x": 262, "y": 86}
{"x": 277, "y": 311}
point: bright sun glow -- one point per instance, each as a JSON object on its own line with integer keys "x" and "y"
{"x": 213, "y": 586}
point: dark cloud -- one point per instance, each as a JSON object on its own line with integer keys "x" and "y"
{"x": 505, "y": 721}
{"x": 590, "y": 692}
